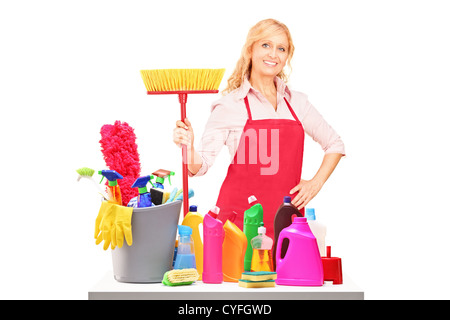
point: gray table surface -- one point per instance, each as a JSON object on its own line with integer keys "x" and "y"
{"x": 110, "y": 289}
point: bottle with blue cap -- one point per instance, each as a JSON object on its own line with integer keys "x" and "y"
{"x": 185, "y": 254}
{"x": 318, "y": 229}
{"x": 113, "y": 189}
{"x": 283, "y": 219}
{"x": 144, "y": 198}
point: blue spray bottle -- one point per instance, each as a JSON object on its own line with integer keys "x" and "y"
{"x": 144, "y": 198}
{"x": 185, "y": 258}
{"x": 115, "y": 196}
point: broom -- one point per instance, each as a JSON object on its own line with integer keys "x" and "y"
{"x": 182, "y": 82}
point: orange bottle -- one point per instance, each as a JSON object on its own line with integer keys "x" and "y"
{"x": 193, "y": 219}
{"x": 114, "y": 193}
{"x": 233, "y": 252}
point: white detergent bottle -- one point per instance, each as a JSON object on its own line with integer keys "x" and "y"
{"x": 318, "y": 229}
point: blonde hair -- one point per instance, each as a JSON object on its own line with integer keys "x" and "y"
{"x": 258, "y": 32}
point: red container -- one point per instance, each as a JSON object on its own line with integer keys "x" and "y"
{"x": 332, "y": 268}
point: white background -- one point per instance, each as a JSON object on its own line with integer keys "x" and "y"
{"x": 378, "y": 71}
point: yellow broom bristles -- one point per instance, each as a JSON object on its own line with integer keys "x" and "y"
{"x": 182, "y": 79}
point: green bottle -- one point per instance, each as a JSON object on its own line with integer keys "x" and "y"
{"x": 252, "y": 220}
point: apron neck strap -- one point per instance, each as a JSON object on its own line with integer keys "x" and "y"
{"x": 292, "y": 111}
{"x": 287, "y": 103}
{"x": 248, "y": 108}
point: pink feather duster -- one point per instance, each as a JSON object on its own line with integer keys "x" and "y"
{"x": 119, "y": 150}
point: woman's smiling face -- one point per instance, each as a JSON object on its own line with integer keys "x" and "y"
{"x": 269, "y": 55}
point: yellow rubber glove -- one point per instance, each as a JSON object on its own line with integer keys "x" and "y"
{"x": 122, "y": 226}
{"x": 101, "y": 213}
{"x": 114, "y": 223}
{"x": 104, "y": 224}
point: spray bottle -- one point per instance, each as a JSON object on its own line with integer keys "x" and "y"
{"x": 113, "y": 189}
{"x": 161, "y": 175}
{"x": 185, "y": 254}
{"x": 234, "y": 247}
{"x": 283, "y": 219}
{"x": 262, "y": 251}
{"x": 175, "y": 253}
{"x": 144, "y": 198}
{"x": 213, "y": 235}
{"x": 193, "y": 219}
{"x": 252, "y": 220}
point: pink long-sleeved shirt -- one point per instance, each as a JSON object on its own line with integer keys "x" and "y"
{"x": 229, "y": 115}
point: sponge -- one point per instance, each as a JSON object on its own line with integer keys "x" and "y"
{"x": 166, "y": 196}
{"x": 157, "y": 196}
{"x": 256, "y": 284}
{"x": 179, "y": 277}
{"x": 258, "y": 279}
{"x": 259, "y": 275}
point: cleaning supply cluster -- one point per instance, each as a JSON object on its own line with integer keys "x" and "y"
{"x": 137, "y": 221}
{"x": 157, "y": 194}
{"x": 222, "y": 252}
{"x": 140, "y": 223}
{"x": 249, "y": 257}
{"x": 113, "y": 222}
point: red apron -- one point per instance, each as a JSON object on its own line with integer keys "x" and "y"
{"x": 267, "y": 164}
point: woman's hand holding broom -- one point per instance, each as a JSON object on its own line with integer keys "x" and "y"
{"x": 184, "y": 134}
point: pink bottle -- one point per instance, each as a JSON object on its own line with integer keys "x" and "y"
{"x": 213, "y": 235}
{"x": 302, "y": 264}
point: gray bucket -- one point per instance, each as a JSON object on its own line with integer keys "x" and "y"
{"x": 154, "y": 231}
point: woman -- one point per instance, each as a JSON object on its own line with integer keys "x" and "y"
{"x": 262, "y": 122}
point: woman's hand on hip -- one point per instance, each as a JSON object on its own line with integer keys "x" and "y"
{"x": 307, "y": 190}
{"x": 183, "y": 133}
